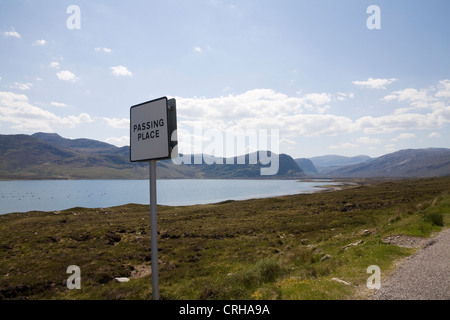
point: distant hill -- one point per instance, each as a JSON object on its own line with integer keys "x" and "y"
{"x": 287, "y": 167}
{"x": 307, "y": 166}
{"x": 335, "y": 160}
{"x": 18, "y": 151}
{"x": 53, "y": 157}
{"x": 404, "y": 163}
{"x": 50, "y": 156}
{"x": 84, "y": 145}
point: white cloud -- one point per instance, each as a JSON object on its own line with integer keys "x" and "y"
{"x": 368, "y": 140}
{"x": 12, "y": 34}
{"x": 266, "y": 109}
{"x": 341, "y": 96}
{"x": 405, "y": 121}
{"x": 307, "y": 115}
{"x": 318, "y": 98}
{"x": 200, "y": 50}
{"x": 287, "y": 141}
{"x": 322, "y": 109}
{"x": 21, "y": 86}
{"x": 261, "y": 109}
{"x": 316, "y": 102}
{"x": 121, "y": 71}
{"x": 120, "y": 141}
{"x": 444, "y": 89}
{"x": 434, "y": 135}
{"x": 257, "y": 103}
{"x": 40, "y": 42}
{"x": 104, "y": 50}
{"x": 17, "y": 110}
{"x": 433, "y": 100}
{"x": 66, "y": 75}
{"x": 54, "y": 64}
{"x": 345, "y": 145}
{"x": 404, "y": 136}
{"x": 118, "y": 123}
{"x": 372, "y": 83}
{"x": 390, "y": 148}
{"x": 252, "y": 106}
{"x": 58, "y": 104}
{"x": 416, "y": 98}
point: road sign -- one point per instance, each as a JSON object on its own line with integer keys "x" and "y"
{"x": 153, "y": 136}
{"x": 151, "y": 128}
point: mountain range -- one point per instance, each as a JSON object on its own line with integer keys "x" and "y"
{"x": 431, "y": 162}
{"x": 50, "y": 156}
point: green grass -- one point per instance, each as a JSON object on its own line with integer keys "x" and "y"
{"x": 438, "y": 211}
{"x": 254, "y": 249}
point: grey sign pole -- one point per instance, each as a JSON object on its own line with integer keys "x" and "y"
{"x": 154, "y": 231}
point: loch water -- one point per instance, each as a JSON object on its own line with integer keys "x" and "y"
{"x": 51, "y": 195}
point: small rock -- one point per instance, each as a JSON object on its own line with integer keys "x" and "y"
{"x": 341, "y": 281}
{"x": 318, "y": 251}
{"x": 325, "y": 257}
{"x": 352, "y": 244}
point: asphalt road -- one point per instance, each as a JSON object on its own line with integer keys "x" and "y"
{"x": 423, "y": 276}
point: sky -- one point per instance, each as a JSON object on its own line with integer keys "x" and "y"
{"x": 331, "y": 77}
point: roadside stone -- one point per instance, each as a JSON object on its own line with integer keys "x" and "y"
{"x": 317, "y": 251}
{"x": 325, "y": 257}
{"x": 352, "y": 244}
{"x": 341, "y": 281}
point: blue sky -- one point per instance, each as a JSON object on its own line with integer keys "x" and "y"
{"x": 311, "y": 69}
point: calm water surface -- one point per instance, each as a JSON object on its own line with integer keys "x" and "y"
{"x": 49, "y": 195}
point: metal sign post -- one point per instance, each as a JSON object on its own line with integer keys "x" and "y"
{"x": 153, "y": 137}
{"x": 154, "y": 231}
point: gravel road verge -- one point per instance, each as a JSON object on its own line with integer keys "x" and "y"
{"x": 423, "y": 276}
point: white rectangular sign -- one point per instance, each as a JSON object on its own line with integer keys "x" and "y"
{"x": 149, "y": 131}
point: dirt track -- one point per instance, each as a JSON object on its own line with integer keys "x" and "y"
{"x": 423, "y": 276}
